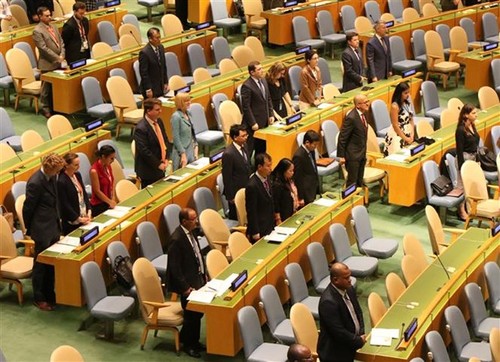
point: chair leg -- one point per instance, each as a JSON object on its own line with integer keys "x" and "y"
{"x": 117, "y": 130}
{"x": 445, "y": 80}
{"x": 16, "y": 104}
{"x": 176, "y": 338}
{"x": 36, "y": 105}
{"x": 442, "y": 214}
{"x": 20, "y": 297}
{"x": 366, "y": 195}
{"x": 6, "y": 97}
{"x": 109, "y": 329}
{"x": 467, "y": 221}
{"x": 144, "y": 336}
{"x": 150, "y": 16}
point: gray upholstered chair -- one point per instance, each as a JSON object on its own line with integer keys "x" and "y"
{"x": 204, "y": 199}
{"x": 492, "y": 274}
{"x": 437, "y": 349}
{"x": 114, "y": 250}
{"x": 278, "y": 323}
{"x": 481, "y": 323}
{"x": 94, "y": 101}
{"x": 220, "y": 16}
{"x": 298, "y": 288}
{"x": 204, "y": 136}
{"x": 150, "y": 246}
{"x": 7, "y": 133}
{"x": 302, "y": 35}
{"x": 327, "y": 31}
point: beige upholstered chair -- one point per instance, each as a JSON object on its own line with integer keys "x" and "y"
{"x": 436, "y": 231}
{"x": 424, "y": 128}
{"x": 229, "y": 114}
{"x": 127, "y": 41}
{"x": 455, "y": 105}
{"x": 130, "y": 29}
{"x": 385, "y": 17}
{"x": 118, "y": 175}
{"x": 448, "y": 117}
{"x": 156, "y": 312}
{"x": 394, "y": 287}
{"x": 458, "y": 40}
{"x": 169, "y": 6}
{"x": 216, "y": 262}
{"x": 376, "y": 307}
{"x": 412, "y": 246}
{"x": 242, "y": 55}
{"x": 13, "y": 267}
{"x": 58, "y": 125}
{"x": 256, "y": 45}
{"x": 487, "y": 97}
{"x": 495, "y": 343}
{"x": 429, "y": 9}
{"x": 171, "y": 25}
{"x": 66, "y": 353}
{"x": 363, "y": 25}
{"x": 330, "y": 91}
{"x": 304, "y": 327}
{"x": 227, "y": 65}
{"x": 201, "y": 75}
{"x": 30, "y": 139}
{"x": 122, "y": 98}
{"x": 176, "y": 81}
{"x": 411, "y": 268}
{"x": 6, "y": 152}
{"x": 410, "y": 14}
{"x": 238, "y": 244}
{"x": 215, "y": 229}
{"x": 9, "y": 25}
{"x": 481, "y": 207}
{"x": 125, "y": 189}
{"x": 29, "y": 245}
{"x": 22, "y": 74}
{"x": 101, "y": 49}
{"x": 436, "y": 63}
{"x": 255, "y": 22}
{"x": 241, "y": 211}
{"x": 373, "y": 174}
{"x": 19, "y": 14}
{"x": 421, "y": 4}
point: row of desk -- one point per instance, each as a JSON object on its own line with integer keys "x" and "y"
{"x": 478, "y": 72}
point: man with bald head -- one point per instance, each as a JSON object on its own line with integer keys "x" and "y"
{"x": 351, "y": 147}
{"x": 342, "y": 329}
{"x": 299, "y": 353}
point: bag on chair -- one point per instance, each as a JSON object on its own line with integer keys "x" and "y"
{"x": 442, "y": 185}
{"x": 122, "y": 272}
{"x": 487, "y": 159}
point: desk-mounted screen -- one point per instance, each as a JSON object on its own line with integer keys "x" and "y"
{"x": 93, "y": 125}
{"x": 288, "y": 4}
{"x": 109, "y": 4}
{"x": 293, "y": 118}
{"x": 77, "y": 64}
{"x": 216, "y": 156}
{"x": 203, "y": 25}
{"x": 409, "y": 73}
{"x": 410, "y": 331}
{"x": 185, "y": 89}
{"x": 389, "y": 24}
{"x": 303, "y": 50}
{"x": 240, "y": 279}
{"x": 490, "y": 46}
{"x": 348, "y": 191}
{"x": 495, "y": 229}
{"x": 417, "y": 149}
{"x": 89, "y": 235}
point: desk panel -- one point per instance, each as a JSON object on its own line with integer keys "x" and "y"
{"x": 478, "y": 68}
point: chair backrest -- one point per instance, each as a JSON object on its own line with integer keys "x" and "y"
{"x": 132, "y": 30}
{"x": 412, "y": 246}
{"x": 296, "y": 282}
{"x": 137, "y": 73}
{"x": 66, "y": 353}
{"x": 347, "y": 17}
{"x": 219, "y": 181}
{"x": 362, "y": 224}
{"x": 468, "y": 25}
{"x": 115, "y": 147}
{"x": 115, "y": 249}
{"x": 147, "y": 285}
{"x": 171, "y": 217}
{"x": 304, "y": 326}
{"x": 30, "y": 139}
{"x": 171, "y": 25}
{"x": 219, "y": 9}
{"x": 448, "y": 118}
{"x": 240, "y": 203}
{"x": 150, "y": 242}
{"x": 410, "y": 268}
{"x": 381, "y": 115}
{"x": 6, "y": 152}
{"x": 19, "y": 67}
{"x": 272, "y": 306}
{"x": 424, "y": 128}
{"x": 18, "y": 205}
{"x": 118, "y": 72}
{"x": 318, "y": 262}
{"x": 107, "y": 32}
{"x": 396, "y": 8}
{"x": 495, "y": 71}
{"x": 203, "y": 199}
{"x": 474, "y": 180}
{"x": 492, "y": 275}
{"x": 213, "y": 226}
{"x": 92, "y": 283}
{"x": 58, "y": 125}
{"x": 372, "y": 11}
{"x": 196, "y": 56}
{"x": 458, "y": 329}
{"x": 435, "y": 229}
{"x": 242, "y": 55}
{"x": 385, "y": 17}
{"x": 8, "y": 25}
{"x": 376, "y": 308}
{"x": 127, "y": 41}
{"x": 430, "y": 95}
{"x": 85, "y": 167}
{"x": 410, "y": 14}
{"x": 433, "y": 47}
{"x": 418, "y": 42}
{"x": 490, "y": 25}
{"x": 363, "y": 25}
{"x": 430, "y": 172}
{"x": 294, "y": 75}
{"x": 477, "y": 308}
{"x": 21, "y": 3}
{"x": 217, "y": 99}
{"x": 201, "y": 75}
{"x": 455, "y": 105}
{"x": 398, "y": 52}
{"x": 101, "y": 49}
{"x": 255, "y": 44}
{"x": 340, "y": 242}
{"x": 7, "y": 244}
{"x": 394, "y": 287}
{"x": 250, "y": 330}
{"x": 125, "y": 189}
{"x": 436, "y": 347}
{"x": 254, "y": 8}
{"x": 488, "y": 97}
{"x": 221, "y": 49}
{"x": 121, "y": 93}
{"x": 458, "y": 39}
{"x": 6, "y": 127}
{"x": 176, "y": 82}
{"x": 26, "y": 47}
{"x": 429, "y": 9}
{"x": 238, "y": 244}
{"x": 18, "y": 189}
{"x": 92, "y": 93}
{"x": 216, "y": 262}
{"x": 131, "y": 19}
{"x": 444, "y": 32}
{"x": 227, "y": 65}
{"x": 4, "y": 72}
{"x": 325, "y": 23}
{"x": 326, "y": 77}
{"x": 495, "y": 343}
{"x": 330, "y": 132}
{"x": 229, "y": 114}
{"x": 199, "y": 119}
{"x": 172, "y": 62}
{"x": 300, "y": 29}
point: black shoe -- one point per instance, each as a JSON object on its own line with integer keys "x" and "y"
{"x": 200, "y": 347}
{"x": 191, "y": 352}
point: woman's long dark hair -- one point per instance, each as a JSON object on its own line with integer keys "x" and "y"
{"x": 278, "y": 174}
{"x": 462, "y": 117}
{"x": 398, "y": 93}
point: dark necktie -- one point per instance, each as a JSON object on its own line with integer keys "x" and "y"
{"x": 197, "y": 253}
{"x": 266, "y": 185}
{"x": 262, "y": 89}
{"x": 312, "y": 155}
{"x": 363, "y": 119}
{"x": 244, "y": 154}
{"x": 383, "y": 44}
{"x": 354, "y": 317}
{"x": 157, "y": 51}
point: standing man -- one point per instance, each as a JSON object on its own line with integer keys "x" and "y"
{"x": 235, "y": 166}
{"x": 353, "y": 64}
{"x": 51, "y": 48}
{"x": 150, "y": 144}
{"x": 257, "y": 107}
{"x": 306, "y": 172}
{"x": 186, "y": 272}
{"x": 152, "y": 66}
{"x": 259, "y": 199}
{"x": 351, "y": 148}
{"x": 342, "y": 330}
{"x": 378, "y": 54}
{"x": 43, "y": 224}
{"x": 75, "y": 34}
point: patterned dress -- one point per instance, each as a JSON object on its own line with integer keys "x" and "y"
{"x": 393, "y": 142}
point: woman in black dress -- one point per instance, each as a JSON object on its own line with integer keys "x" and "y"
{"x": 278, "y": 89}
{"x": 285, "y": 195}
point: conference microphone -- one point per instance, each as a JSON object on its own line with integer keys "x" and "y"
{"x": 147, "y": 190}
{"x": 17, "y": 155}
{"x": 137, "y": 41}
{"x": 402, "y": 336}
{"x": 372, "y": 19}
{"x": 441, "y": 262}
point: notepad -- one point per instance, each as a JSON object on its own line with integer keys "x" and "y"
{"x": 118, "y": 211}
{"x": 383, "y": 336}
{"x": 201, "y": 296}
{"x": 199, "y": 164}
{"x": 325, "y": 202}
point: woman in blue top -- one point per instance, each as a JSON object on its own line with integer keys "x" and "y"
{"x": 185, "y": 146}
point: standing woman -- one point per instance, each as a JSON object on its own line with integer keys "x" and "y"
{"x": 185, "y": 146}
{"x": 310, "y": 81}
{"x": 467, "y": 141}
{"x": 402, "y": 132}
{"x": 74, "y": 203}
{"x": 285, "y": 194}
{"x": 278, "y": 89}
{"x": 102, "y": 181}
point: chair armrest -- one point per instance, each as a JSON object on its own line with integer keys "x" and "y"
{"x": 455, "y": 233}
{"x": 453, "y": 54}
{"x": 20, "y": 80}
{"x": 241, "y": 229}
{"x": 156, "y": 304}
{"x": 249, "y": 18}
{"x": 220, "y": 242}
{"x": 5, "y": 257}
{"x": 433, "y": 59}
{"x": 122, "y": 108}
{"x": 27, "y": 242}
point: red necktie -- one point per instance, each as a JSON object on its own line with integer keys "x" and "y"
{"x": 364, "y": 120}
{"x": 53, "y": 35}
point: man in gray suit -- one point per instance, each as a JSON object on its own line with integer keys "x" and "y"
{"x": 378, "y": 54}
{"x": 51, "y": 47}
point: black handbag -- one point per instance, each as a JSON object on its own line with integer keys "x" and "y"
{"x": 487, "y": 159}
{"x": 442, "y": 185}
{"x": 122, "y": 272}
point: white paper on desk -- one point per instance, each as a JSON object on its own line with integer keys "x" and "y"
{"x": 60, "y": 248}
{"x": 398, "y": 157}
{"x": 201, "y": 296}
{"x": 109, "y": 222}
{"x": 220, "y": 286}
{"x": 199, "y": 163}
{"x": 325, "y": 202}
{"x": 276, "y": 237}
{"x": 70, "y": 240}
{"x": 91, "y": 225}
{"x": 324, "y": 105}
{"x": 285, "y": 230}
{"x": 383, "y": 336}
{"x": 118, "y": 211}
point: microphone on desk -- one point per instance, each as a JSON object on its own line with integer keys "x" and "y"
{"x": 402, "y": 336}
{"x": 133, "y": 36}
{"x": 440, "y": 262}
{"x": 147, "y": 190}
{"x": 17, "y": 155}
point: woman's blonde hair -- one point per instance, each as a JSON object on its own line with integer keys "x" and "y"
{"x": 274, "y": 71}
{"x": 180, "y": 101}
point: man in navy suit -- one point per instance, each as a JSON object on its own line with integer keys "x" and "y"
{"x": 351, "y": 148}
{"x": 75, "y": 34}
{"x": 235, "y": 166}
{"x": 151, "y": 144}
{"x": 257, "y": 107}
{"x": 342, "y": 329}
{"x": 353, "y": 64}
{"x": 378, "y": 54}
{"x": 259, "y": 199}
{"x": 152, "y": 66}
{"x": 306, "y": 171}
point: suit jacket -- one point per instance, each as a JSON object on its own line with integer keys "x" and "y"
{"x": 255, "y": 108}
{"x": 449, "y": 5}
{"x": 73, "y": 41}
{"x": 183, "y": 270}
{"x": 148, "y": 151}
{"x": 337, "y": 338}
{"x": 235, "y": 171}
{"x": 259, "y": 206}
{"x": 353, "y": 69}
{"x": 283, "y": 200}
{"x": 41, "y": 211}
{"x": 48, "y": 48}
{"x": 309, "y": 85}
{"x": 305, "y": 175}
{"x": 379, "y": 62}
{"x": 153, "y": 70}
{"x": 68, "y": 201}
{"x": 352, "y": 138}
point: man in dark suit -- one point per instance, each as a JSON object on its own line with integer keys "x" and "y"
{"x": 351, "y": 148}
{"x": 259, "y": 199}
{"x": 43, "y": 224}
{"x": 75, "y": 34}
{"x": 257, "y": 107}
{"x": 353, "y": 64}
{"x": 342, "y": 329}
{"x": 447, "y": 5}
{"x": 306, "y": 172}
{"x": 235, "y": 166}
{"x": 378, "y": 54}
{"x": 151, "y": 144}
{"x": 152, "y": 66}
{"x": 186, "y": 272}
